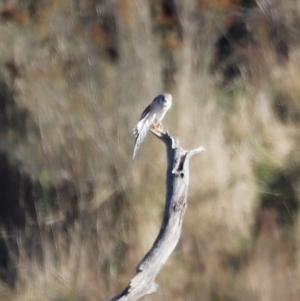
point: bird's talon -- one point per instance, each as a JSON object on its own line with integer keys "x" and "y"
{"x": 157, "y": 126}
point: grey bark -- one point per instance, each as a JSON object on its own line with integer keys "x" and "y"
{"x": 177, "y": 180}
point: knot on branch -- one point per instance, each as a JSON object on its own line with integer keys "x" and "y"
{"x": 180, "y": 205}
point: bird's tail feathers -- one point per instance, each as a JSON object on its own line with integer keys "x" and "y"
{"x": 140, "y": 131}
{"x": 136, "y": 147}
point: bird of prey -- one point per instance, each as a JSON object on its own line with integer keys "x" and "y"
{"x": 152, "y": 115}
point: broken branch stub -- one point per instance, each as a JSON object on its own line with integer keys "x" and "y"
{"x": 177, "y": 180}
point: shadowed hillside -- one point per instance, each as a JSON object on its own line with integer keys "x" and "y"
{"x": 77, "y": 214}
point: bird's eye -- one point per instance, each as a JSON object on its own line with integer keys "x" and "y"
{"x": 161, "y": 99}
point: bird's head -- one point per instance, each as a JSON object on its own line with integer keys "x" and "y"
{"x": 164, "y": 99}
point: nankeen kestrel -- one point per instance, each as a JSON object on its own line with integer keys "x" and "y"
{"x": 152, "y": 115}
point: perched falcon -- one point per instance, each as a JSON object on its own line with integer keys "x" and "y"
{"x": 152, "y": 115}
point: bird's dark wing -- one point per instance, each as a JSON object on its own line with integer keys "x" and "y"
{"x": 146, "y": 112}
{"x": 141, "y": 129}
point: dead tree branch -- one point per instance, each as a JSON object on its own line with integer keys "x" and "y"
{"x": 177, "y": 180}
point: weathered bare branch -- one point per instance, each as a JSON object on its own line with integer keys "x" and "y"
{"x": 177, "y": 180}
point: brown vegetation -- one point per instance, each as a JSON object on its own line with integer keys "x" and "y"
{"x": 74, "y": 78}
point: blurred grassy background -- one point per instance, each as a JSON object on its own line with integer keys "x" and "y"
{"x": 77, "y": 214}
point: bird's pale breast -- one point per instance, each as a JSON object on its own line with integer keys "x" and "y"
{"x": 161, "y": 111}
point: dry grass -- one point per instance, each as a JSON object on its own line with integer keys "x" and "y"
{"x": 81, "y": 109}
